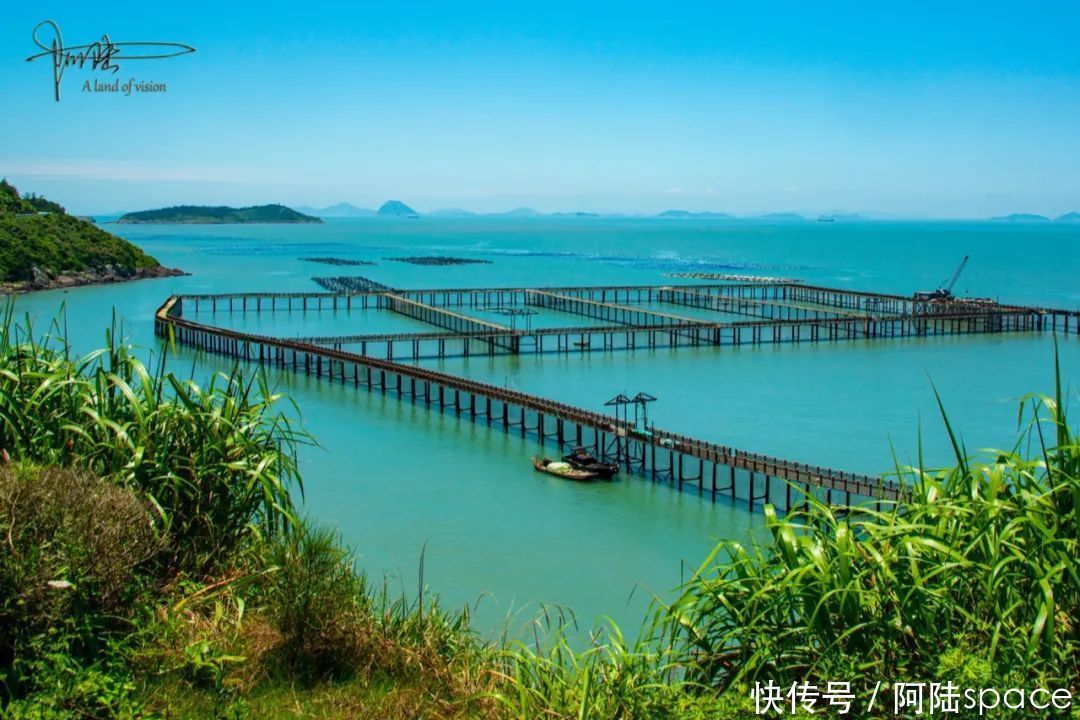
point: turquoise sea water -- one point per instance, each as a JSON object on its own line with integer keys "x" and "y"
{"x": 397, "y": 479}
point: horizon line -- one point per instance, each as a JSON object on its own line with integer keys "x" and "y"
{"x": 674, "y": 214}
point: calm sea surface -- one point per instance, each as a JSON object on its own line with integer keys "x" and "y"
{"x": 396, "y": 479}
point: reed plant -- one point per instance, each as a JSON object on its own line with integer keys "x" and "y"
{"x": 217, "y": 461}
{"x": 609, "y": 678}
{"x": 234, "y": 607}
{"x": 974, "y": 573}
{"x": 317, "y": 603}
{"x": 301, "y": 624}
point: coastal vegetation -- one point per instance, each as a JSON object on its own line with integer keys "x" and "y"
{"x": 973, "y": 577}
{"x": 154, "y": 564}
{"x": 41, "y": 204}
{"x": 42, "y": 246}
{"x": 204, "y": 214}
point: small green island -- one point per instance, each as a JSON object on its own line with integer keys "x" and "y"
{"x": 205, "y": 214}
{"x": 42, "y": 247}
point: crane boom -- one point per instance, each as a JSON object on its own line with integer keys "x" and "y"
{"x": 944, "y": 292}
{"x": 947, "y": 286}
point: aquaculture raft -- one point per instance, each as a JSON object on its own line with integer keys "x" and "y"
{"x": 780, "y": 313}
{"x": 350, "y": 284}
{"x": 336, "y": 261}
{"x": 437, "y": 260}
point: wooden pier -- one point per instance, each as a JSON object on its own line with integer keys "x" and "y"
{"x": 713, "y": 470}
{"x": 494, "y": 335}
{"x": 780, "y": 312}
{"x": 688, "y": 334}
{"x": 618, "y": 314}
{"x": 768, "y": 309}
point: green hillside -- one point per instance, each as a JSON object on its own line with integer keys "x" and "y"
{"x": 199, "y": 214}
{"x": 38, "y": 233}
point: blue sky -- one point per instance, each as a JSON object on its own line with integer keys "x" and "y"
{"x": 900, "y": 109}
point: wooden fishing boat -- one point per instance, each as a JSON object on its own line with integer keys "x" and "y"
{"x": 580, "y": 459}
{"x": 562, "y": 470}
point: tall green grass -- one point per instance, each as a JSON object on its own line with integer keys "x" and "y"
{"x": 976, "y": 572}
{"x": 218, "y": 461}
{"x": 973, "y": 578}
{"x": 227, "y": 592}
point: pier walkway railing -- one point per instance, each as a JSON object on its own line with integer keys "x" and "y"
{"x": 713, "y": 469}
{"x": 779, "y": 313}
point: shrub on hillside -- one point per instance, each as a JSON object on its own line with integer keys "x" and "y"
{"x": 216, "y": 460}
{"x": 316, "y": 601}
{"x": 72, "y": 548}
{"x": 69, "y": 530}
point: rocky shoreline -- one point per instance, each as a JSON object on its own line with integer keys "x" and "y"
{"x": 42, "y": 280}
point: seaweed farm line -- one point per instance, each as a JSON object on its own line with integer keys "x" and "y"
{"x": 777, "y": 312}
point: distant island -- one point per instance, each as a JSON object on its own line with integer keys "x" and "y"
{"x": 1021, "y": 217}
{"x": 452, "y": 213}
{"x": 391, "y": 208}
{"x": 520, "y": 212}
{"x": 42, "y": 247}
{"x": 341, "y": 210}
{"x": 203, "y": 214}
{"x": 784, "y": 217}
{"x": 685, "y": 214}
{"x": 396, "y": 208}
{"x": 1070, "y": 217}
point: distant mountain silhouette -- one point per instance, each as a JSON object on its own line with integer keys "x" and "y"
{"x": 452, "y": 212}
{"x": 692, "y": 214}
{"x": 396, "y": 208}
{"x": 1021, "y": 217}
{"x": 343, "y": 209}
{"x": 1073, "y": 217}
{"x": 519, "y": 212}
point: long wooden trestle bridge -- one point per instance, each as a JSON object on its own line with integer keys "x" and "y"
{"x": 627, "y": 317}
